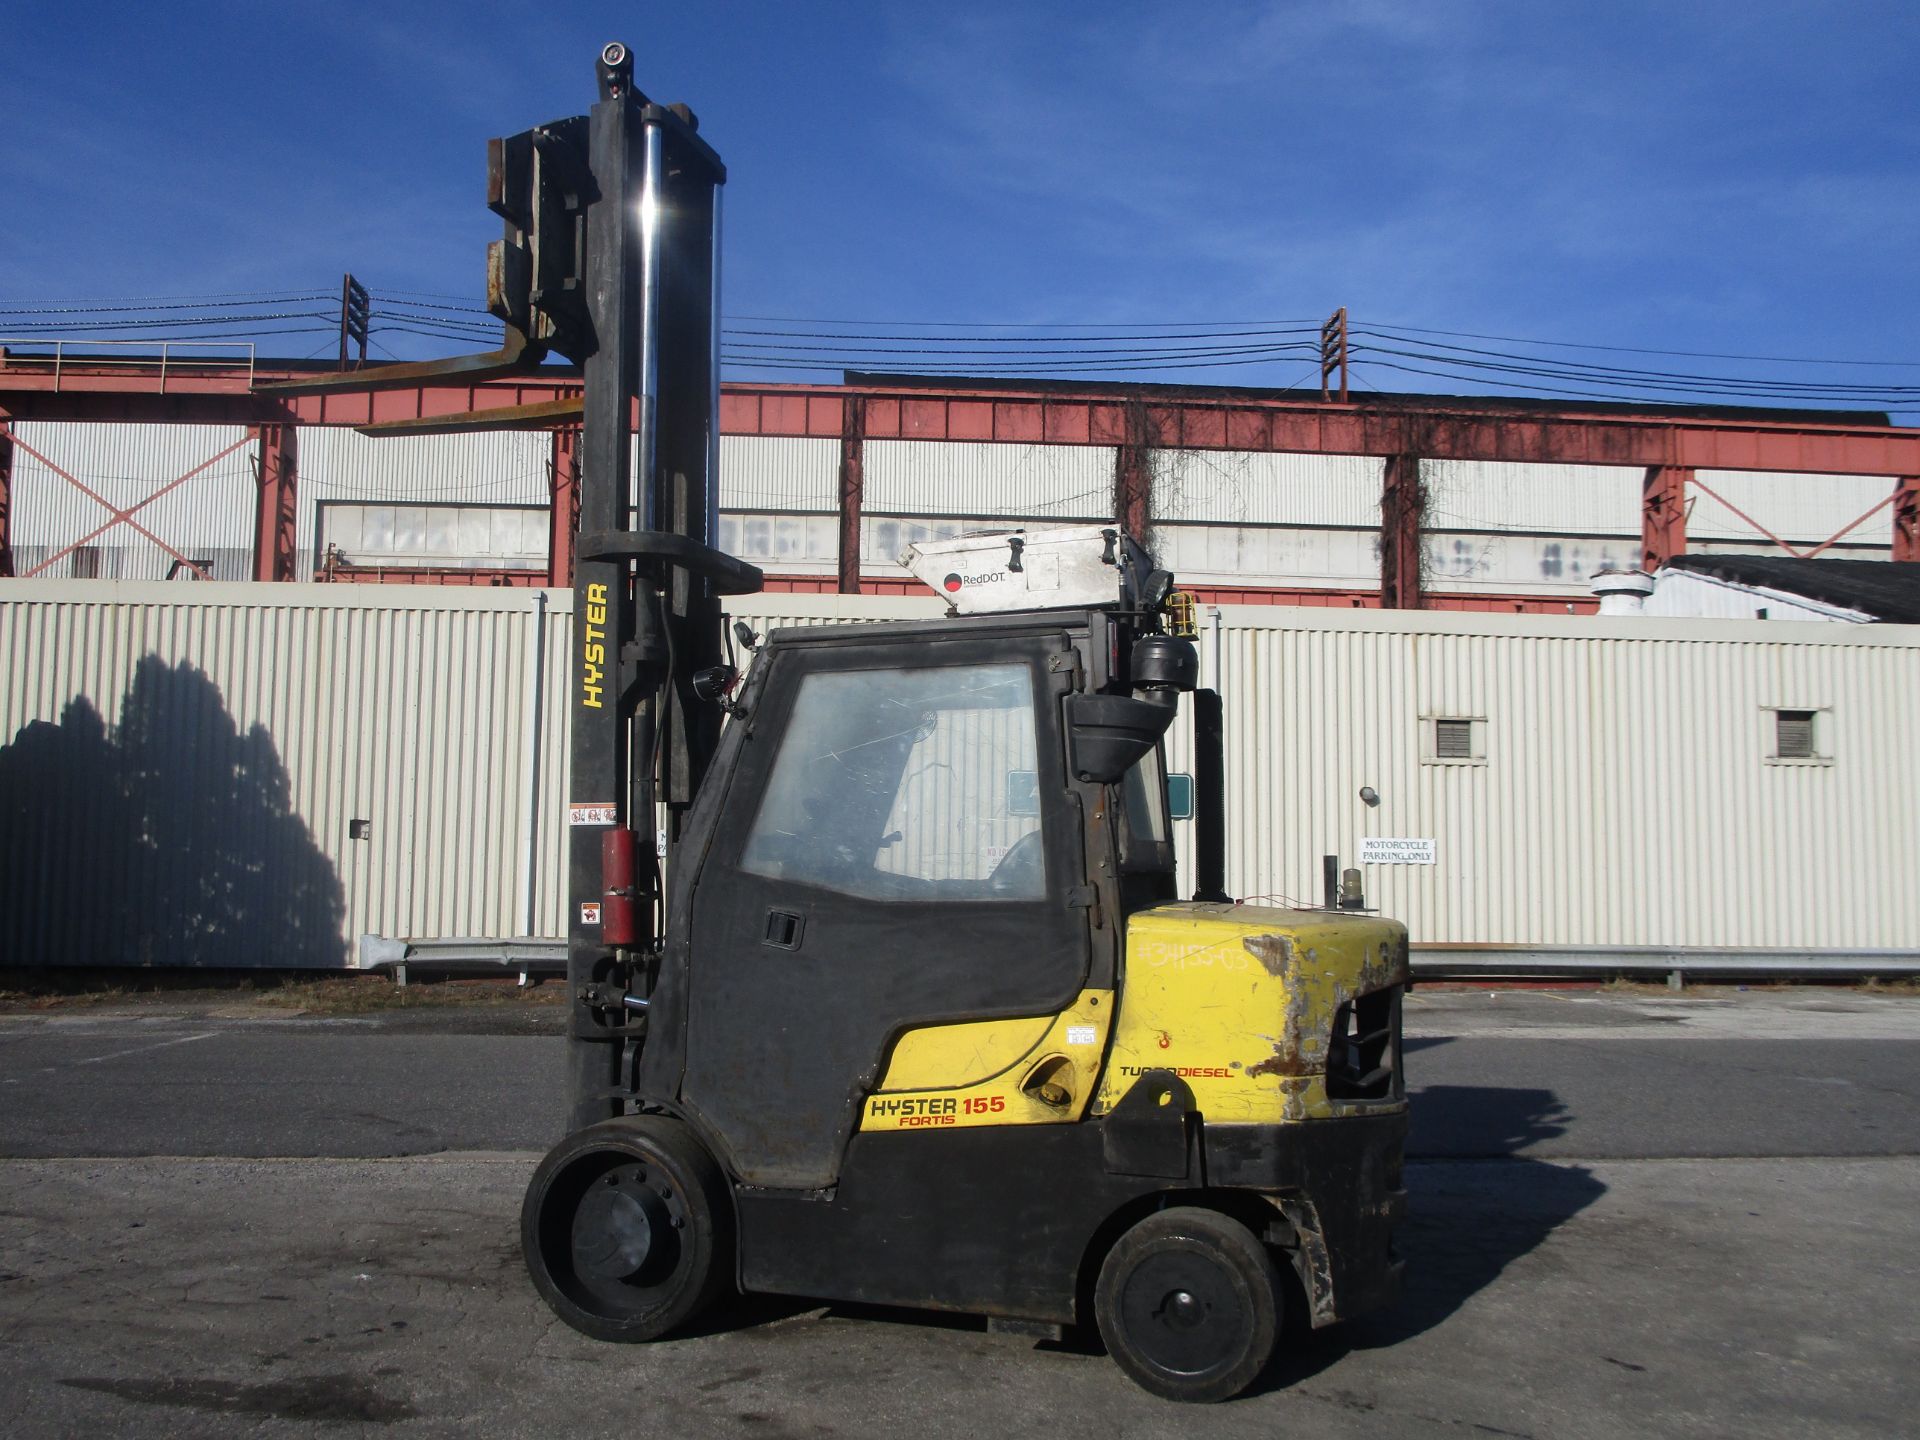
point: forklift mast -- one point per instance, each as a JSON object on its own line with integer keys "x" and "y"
{"x": 647, "y": 676}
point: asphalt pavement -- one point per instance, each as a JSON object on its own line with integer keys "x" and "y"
{"x": 1634, "y": 1215}
{"x": 1541, "y": 1073}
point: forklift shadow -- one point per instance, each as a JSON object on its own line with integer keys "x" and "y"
{"x": 766, "y": 1316}
{"x": 1475, "y": 1206}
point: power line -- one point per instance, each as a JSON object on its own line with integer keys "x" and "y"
{"x": 1563, "y": 367}
{"x": 1643, "y": 350}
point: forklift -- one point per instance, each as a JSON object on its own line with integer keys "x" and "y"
{"x": 881, "y": 987}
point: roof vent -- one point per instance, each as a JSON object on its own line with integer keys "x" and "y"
{"x": 1622, "y": 592}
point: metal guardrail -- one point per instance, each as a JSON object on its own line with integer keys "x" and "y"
{"x": 531, "y": 958}
{"x": 1467, "y": 962}
{"x": 528, "y": 959}
{"x": 172, "y": 354}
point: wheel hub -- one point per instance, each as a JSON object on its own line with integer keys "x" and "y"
{"x": 1183, "y": 1312}
{"x": 617, "y": 1226}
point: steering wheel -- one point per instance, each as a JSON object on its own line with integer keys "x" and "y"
{"x": 1020, "y": 871}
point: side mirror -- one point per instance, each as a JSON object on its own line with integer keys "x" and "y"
{"x": 1107, "y": 735}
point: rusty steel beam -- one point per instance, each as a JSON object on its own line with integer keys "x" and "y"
{"x": 1307, "y": 426}
{"x": 536, "y": 416}
{"x": 1906, "y": 518}
{"x": 276, "y": 472}
{"x": 853, "y": 486}
{"x": 1663, "y": 514}
{"x": 31, "y": 390}
{"x": 563, "y": 510}
{"x": 1403, "y": 506}
{"x": 1133, "y": 474}
{"x": 6, "y": 499}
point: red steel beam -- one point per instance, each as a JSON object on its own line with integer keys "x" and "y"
{"x": 1663, "y": 514}
{"x": 1403, "y": 505}
{"x": 31, "y": 390}
{"x": 276, "y": 472}
{"x": 1308, "y": 426}
{"x": 1133, "y": 475}
{"x": 6, "y": 499}
{"x": 563, "y": 510}
{"x": 853, "y": 487}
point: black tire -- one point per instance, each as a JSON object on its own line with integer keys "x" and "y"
{"x": 627, "y": 1228}
{"x": 1188, "y": 1303}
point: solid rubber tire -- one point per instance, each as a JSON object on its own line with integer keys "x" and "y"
{"x": 1221, "y": 1257}
{"x": 700, "y": 1261}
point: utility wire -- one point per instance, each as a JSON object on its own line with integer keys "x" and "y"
{"x": 1643, "y": 350}
{"x": 1016, "y": 348}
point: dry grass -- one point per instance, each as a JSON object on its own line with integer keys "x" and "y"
{"x": 370, "y": 994}
{"x": 240, "y": 991}
{"x": 1895, "y": 985}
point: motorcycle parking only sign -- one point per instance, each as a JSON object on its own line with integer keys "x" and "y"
{"x": 1386, "y": 850}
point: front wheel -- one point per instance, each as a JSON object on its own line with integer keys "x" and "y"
{"x": 1188, "y": 1303}
{"x": 627, "y": 1228}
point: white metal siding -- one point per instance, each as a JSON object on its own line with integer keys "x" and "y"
{"x": 277, "y": 714}
{"x": 1269, "y": 555}
{"x": 1532, "y": 564}
{"x": 1547, "y": 499}
{"x": 506, "y": 467}
{"x": 207, "y": 518}
{"x": 988, "y": 479}
{"x": 771, "y": 472}
{"x": 1624, "y": 796}
{"x": 1806, "y": 509}
{"x": 1254, "y": 487}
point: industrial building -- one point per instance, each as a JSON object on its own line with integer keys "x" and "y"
{"x": 270, "y": 773}
{"x": 154, "y": 469}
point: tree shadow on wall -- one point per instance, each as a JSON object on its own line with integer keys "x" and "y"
{"x": 168, "y": 840}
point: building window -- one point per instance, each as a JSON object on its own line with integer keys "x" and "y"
{"x": 1799, "y": 737}
{"x": 1453, "y": 740}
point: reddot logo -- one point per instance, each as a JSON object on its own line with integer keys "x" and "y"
{"x": 952, "y": 583}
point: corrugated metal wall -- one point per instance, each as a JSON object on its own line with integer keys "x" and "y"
{"x": 180, "y": 768}
{"x": 771, "y": 472}
{"x": 1625, "y": 797}
{"x": 1252, "y": 487}
{"x": 208, "y": 518}
{"x": 965, "y": 477}
{"x": 1802, "y": 508}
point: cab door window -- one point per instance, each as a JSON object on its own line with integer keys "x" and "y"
{"x": 902, "y": 784}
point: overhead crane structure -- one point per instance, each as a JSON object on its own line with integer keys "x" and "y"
{"x": 1670, "y": 445}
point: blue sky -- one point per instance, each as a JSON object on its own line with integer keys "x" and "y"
{"x": 1740, "y": 178}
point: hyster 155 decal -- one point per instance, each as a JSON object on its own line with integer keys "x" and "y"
{"x": 593, "y": 654}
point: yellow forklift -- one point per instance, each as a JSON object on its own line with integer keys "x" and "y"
{"x": 881, "y": 985}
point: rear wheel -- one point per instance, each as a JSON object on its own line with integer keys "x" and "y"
{"x": 1188, "y": 1303}
{"x": 627, "y": 1228}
